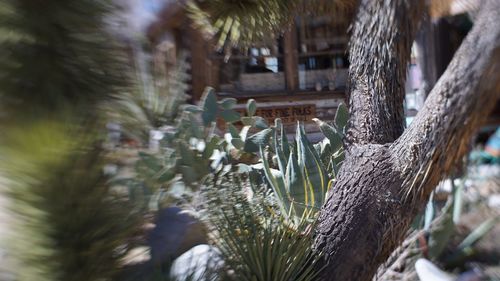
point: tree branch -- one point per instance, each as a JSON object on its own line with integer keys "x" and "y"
{"x": 381, "y": 187}
{"x": 379, "y": 53}
{"x": 455, "y": 109}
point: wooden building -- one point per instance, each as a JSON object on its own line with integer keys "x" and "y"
{"x": 303, "y": 74}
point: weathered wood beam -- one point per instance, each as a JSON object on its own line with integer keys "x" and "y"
{"x": 291, "y": 58}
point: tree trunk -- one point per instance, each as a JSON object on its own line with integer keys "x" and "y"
{"x": 379, "y": 52}
{"x": 388, "y": 174}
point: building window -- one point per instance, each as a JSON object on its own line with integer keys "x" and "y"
{"x": 258, "y": 68}
{"x": 316, "y": 58}
{"x": 322, "y": 44}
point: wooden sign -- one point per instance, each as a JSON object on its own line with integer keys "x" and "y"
{"x": 288, "y": 114}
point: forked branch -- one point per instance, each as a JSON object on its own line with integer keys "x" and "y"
{"x": 383, "y": 184}
{"x": 455, "y": 109}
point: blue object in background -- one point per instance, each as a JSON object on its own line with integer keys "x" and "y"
{"x": 494, "y": 141}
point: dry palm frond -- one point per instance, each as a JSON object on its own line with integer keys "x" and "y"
{"x": 247, "y": 22}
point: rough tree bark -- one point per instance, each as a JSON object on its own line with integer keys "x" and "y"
{"x": 379, "y": 52}
{"x": 389, "y": 172}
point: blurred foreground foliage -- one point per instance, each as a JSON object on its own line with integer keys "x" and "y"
{"x": 58, "y": 56}
{"x": 69, "y": 223}
{"x": 58, "y": 63}
{"x": 257, "y": 189}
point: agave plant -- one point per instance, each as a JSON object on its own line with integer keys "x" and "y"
{"x": 302, "y": 179}
{"x": 443, "y": 227}
{"x": 331, "y": 148}
{"x": 255, "y": 241}
{"x": 155, "y": 100}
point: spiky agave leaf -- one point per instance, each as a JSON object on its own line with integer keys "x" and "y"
{"x": 301, "y": 183}
{"x": 255, "y": 240}
{"x": 68, "y": 222}
{"x": 155, "y": 101}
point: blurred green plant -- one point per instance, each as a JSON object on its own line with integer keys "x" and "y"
{"x": 69, "y": 224}
{"x": 155, "y": 102}
{"x": 57, "y": 56}
{"x": 58, "y": 63}
{"x": 255, "y": 240}
{"x": 435, "y": 238}
{"x": 444, "y": 227}
{"x": 196, "y": 147}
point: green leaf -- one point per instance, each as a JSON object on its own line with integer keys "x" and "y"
{"x": 167, "y": 176}
{"x": 209, "y": 103}
{"x": 298, "y": 190}
{"x": 189, "y": 174}
{"x": 187, "y": 156}
{"x": 479, "y": 232}
{"x": 285, "y": 147}
{"x": 441, "y": 233}
{"x": 260, "y": 139}
{"x": 192, "y": 108}
{"x": 151, "y": 162}
{"x": 238, "y": 143}
{"x": 233, "y": 131}
{"x": 341, "y": 117}
{"x": 260, "y": 122}
{"x": 195, "y": 127}
{"x": 230, "y": 116}
{"x": 247, "y": 121}
{"x": 251, "y": 107}
{"x": 210, "y": 147}
{"x": 282, "y": 160}
{"x": 457, "y": 201}
{"x": 277, "y": 184}
{"x": 325, "y": 151}
{"x": 228, "y": 103}
{"x": 429, "y": 212}
{"x": 314, "y": 172}
{"x": 331, "y": 134}
{"x": 244, "y": 132}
